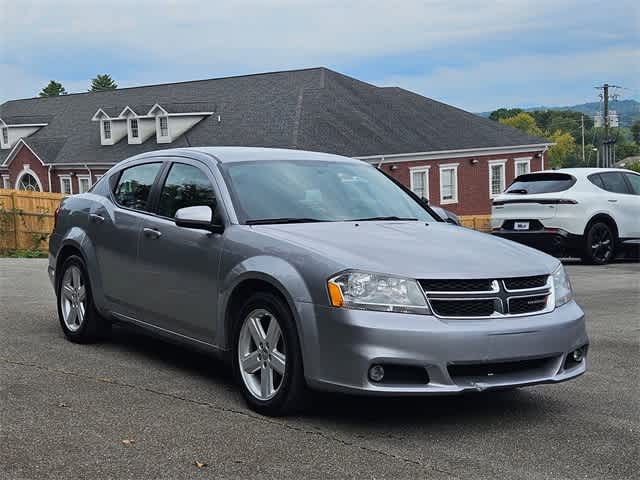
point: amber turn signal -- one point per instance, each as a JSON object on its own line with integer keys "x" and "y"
{"x": 335, "y": 295}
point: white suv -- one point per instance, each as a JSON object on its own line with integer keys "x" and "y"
{"x": 588, "y": 212}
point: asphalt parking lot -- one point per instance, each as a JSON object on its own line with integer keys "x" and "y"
{"x": 65, "y": 409}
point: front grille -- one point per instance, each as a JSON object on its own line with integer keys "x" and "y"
{"x": 463, "y": 308}
{"x": 523, "y": 283}
{"x": 481, "y": 298}
{"x": 489, "y": 369}
{"x": 470, "y": 285}
{"x": 521, "y": 305}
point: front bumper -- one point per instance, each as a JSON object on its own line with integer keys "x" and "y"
{"x": 340, "y": 345}
{"x": 556, "y": 242}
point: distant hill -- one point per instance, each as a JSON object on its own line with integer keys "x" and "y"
{"x": 628, "y": 110}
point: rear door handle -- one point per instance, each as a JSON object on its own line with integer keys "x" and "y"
{"x": 95, "y": 218}
{"x": 612, "y": 200}
{"x": 152, "y": 233}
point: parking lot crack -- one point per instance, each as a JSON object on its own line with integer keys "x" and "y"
{"x": 234, "y": 411}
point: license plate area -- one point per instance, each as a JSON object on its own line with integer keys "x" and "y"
{"x": 521, "y": 225}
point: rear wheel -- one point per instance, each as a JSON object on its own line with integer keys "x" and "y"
{"x": 599, "y": 244}
{"x": 267, "y": 361}
{"x": 79, "y": 319}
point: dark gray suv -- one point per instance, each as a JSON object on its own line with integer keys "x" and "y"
{"x": 309, "y": 270}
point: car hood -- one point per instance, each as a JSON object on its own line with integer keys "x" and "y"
{"x": 414, "y": 249}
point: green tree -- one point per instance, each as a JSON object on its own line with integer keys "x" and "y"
{"x": 635, "y": 131}
{"x": 525, "y": 122}
{"x": 53, "y": 89}
{"x": 102, "y": 83}
{"x": 564, "y": 150}
{"x": 502, "y": 113}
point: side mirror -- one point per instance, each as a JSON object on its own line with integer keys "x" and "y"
{"x": 199, "y": 217}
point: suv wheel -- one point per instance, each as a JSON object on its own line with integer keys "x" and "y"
{"x": 79, "y": 319}
{"x": 267, "y": 362}
{"x": 600, "y": 244}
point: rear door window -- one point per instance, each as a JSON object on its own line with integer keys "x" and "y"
{"x": 634, "y": 180}
{"x": 541, "y": 183}
{"x": 134, "y": 186}
{"x": 614, "y": 182}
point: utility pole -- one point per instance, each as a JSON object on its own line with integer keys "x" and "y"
{"x": 584, "y": 159}
{"x": 607, "y": 159}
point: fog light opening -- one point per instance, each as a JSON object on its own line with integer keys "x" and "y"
{"x": 376, "y": 373}
{"x": 577, "y": 355}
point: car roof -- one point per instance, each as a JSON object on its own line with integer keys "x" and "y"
{"x": 251, "y": 154}
{"x": 582, "y": 172}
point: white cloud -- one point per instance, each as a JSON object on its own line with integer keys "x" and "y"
{"x": 540, "y": 79}
{"x": 262, "y": 32}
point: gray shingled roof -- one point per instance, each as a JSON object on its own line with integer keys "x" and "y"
{"x": 311, "y": 109}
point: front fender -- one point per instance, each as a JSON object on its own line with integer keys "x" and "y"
{"x": 275, "y": 271}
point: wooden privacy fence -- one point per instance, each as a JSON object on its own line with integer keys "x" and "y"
{"x": 477, "y": 222}
{"x": 26, "y": 219}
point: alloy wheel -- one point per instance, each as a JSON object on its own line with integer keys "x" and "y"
{"x": 73, "y": 298}
{"x": 261, "y": 354}
{"x": 601, "y": 243}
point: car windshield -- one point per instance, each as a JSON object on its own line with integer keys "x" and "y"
{"x": 541, "y": 183}
{"x": 316, "y": 191}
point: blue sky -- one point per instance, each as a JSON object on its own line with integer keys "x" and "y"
{"x": 475, "y": 55}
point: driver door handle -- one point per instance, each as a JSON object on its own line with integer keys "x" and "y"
{"x": 152, "y": 233}
{"x": 95, "y": 218}
{"x": 612, "y": 200}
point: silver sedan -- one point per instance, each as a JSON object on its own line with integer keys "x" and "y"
{"x": 309, "y": 271}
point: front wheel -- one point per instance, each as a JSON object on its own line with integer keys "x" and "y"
{"x": 79, "y": 319}
{"x": 599, "y": 244}
{"x": 267, "y": 361}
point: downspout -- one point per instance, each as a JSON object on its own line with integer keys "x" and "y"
{"x": 49, "y": 172}
{"x": 90, "y": 177}
{"x": 542, "y": 157}
{"x": 379, "y": 167}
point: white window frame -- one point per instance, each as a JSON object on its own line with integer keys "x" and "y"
{"x": 137, "y": 128}
{"x": 106, "y": 132}
{"x": 5, "y": 135}
{"x": 522, "y": 161}
{"x": 160, "y": 129}
{"x": 62, "y": 178}
{"x": 80, "y": 179}
{"x": 454, "y": 168}
{"x": 6, "y": 183}
{"x": 424, "y": 170}
{"x": 503, "y": 179}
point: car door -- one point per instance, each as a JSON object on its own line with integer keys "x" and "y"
{"x": 113, "y": 229}
{"x": 622, "y": 203}
{"x": 634, "y": 183}
{"x": 179, "y": 266}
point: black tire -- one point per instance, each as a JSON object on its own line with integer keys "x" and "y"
{"x": 600, "y": 244}
{"x": 93, "y": 326}
{"x": 292, "y": 393}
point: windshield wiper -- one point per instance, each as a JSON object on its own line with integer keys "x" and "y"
{"x": 372, "y": 219}
{"x": 267, "y": 221}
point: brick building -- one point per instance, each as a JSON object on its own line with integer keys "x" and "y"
{"x": 454, "y": 158}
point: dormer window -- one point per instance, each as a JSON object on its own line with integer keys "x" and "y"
{"x": 164, "y": 127}
{"x": 5, "y": 135}
{"x": 106, "y": 129}
{"x": 133, "y": 124}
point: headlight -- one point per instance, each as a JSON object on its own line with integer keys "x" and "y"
{"x": 562, "y": 287}
{"x": 372, "y": 291}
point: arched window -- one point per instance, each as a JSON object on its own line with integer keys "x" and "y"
{"x": 28, "y": 182}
